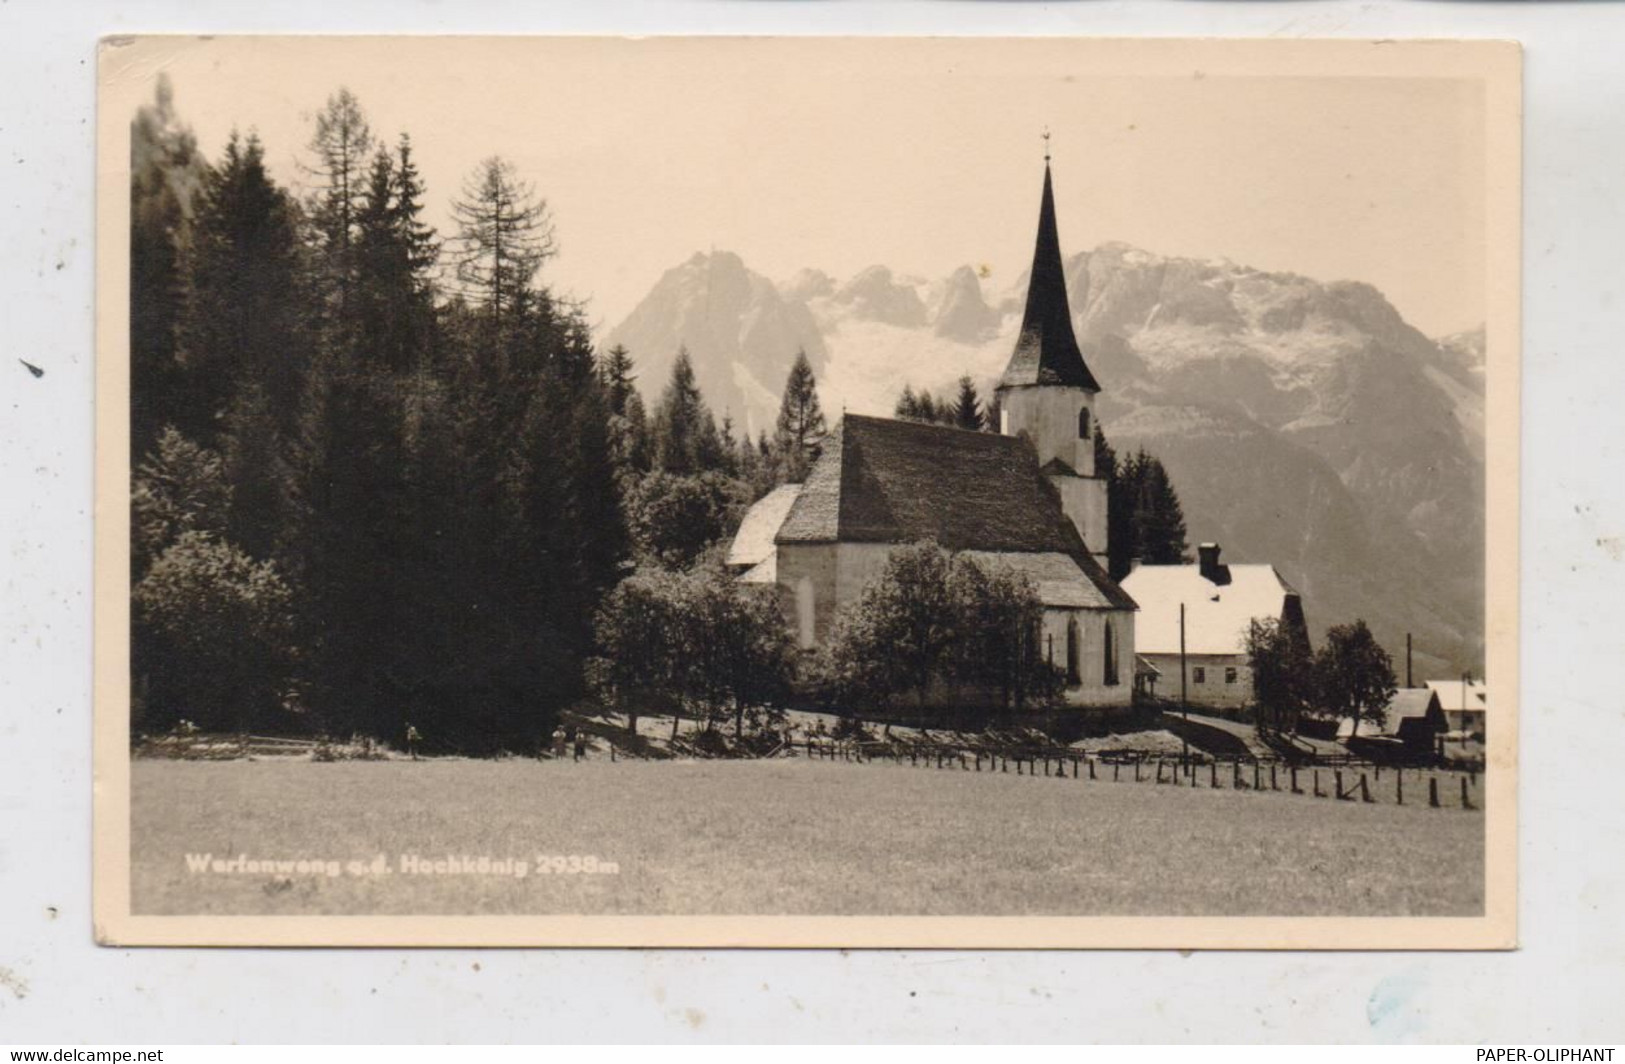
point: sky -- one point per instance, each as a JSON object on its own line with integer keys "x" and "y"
{"x": 921, "y": 155}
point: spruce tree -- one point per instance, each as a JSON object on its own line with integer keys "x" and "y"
{"x": 908, "y": 407}
{"x": 164, "y": 173}
{"x": 244, "y": 317}
{"x": 967, "y": 411}
{"x": 680, "y": 420}
{"x": 801, "y": 427}
{"x": 616, "y": 372}
{"x": 1159, "y": 517}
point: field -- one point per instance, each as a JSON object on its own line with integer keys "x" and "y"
{"x": 779, "y": 837}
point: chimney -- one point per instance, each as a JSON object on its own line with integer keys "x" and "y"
{"x": 1134, "y": 563}
{"x": 1208, "y": 556}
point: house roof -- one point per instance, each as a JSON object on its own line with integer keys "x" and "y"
{"x": 753, "y": 543}
{"x": 1408, "y": 703}
{"x": 884, "y": 481}
{"x": 1047, "y": 349}
{"x": 1453, "y": 696}
{"x": 1216, "y": 617}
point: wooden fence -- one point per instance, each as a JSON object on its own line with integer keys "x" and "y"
{"x": 1344, "y": 779}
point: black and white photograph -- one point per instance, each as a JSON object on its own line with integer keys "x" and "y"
{"x": 793, "y": 492}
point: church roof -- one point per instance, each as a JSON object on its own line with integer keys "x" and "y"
{"x": 1047, "y": 349}
{"x": 1060, "y": 579}
{"x": 885, "y": 481}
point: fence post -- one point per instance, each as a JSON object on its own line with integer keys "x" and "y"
{"x": 1235, "y": 775}
{"x": 1273, "y": 785}
{"x": 1318, "y": 792}
{"x": 1337, "y": 777}
{"x": 1294, "y": 771}
{"x": 1466, "y": 803}
{"x": 1115, "y": 766}
{"x": 1136, "y": 770}
{"x": 1399, "y": 786}
{"x": 1433, "y": 791}
{"x": 1255, "y": 774}
{"x": 1192, "y": 768}
{"x": 1004, "y": 764}
{"x": 1365, "y": 790}
{"x": 1090, "y": 763}
{"x": 1213, "y": 773}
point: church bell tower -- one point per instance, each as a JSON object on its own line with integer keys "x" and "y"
{"x": 1047, "y": 392}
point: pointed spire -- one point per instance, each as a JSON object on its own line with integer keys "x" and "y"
{"x": 1047, "y": 349}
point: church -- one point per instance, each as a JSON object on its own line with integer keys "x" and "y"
{"x": 1026, "y": 497}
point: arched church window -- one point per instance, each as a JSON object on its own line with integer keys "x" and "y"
{"x": 806, "y": 611}
{"x": 1110, "y": 672}
{"x": 1072, "y": 649}
{"x": 1083, "y": 424}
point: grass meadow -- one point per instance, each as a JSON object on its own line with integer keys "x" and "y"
{"x": 782, "y": 837}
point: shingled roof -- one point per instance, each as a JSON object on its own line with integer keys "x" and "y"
{"x": 1047, "y": 348}
{"x": 885, "y": 481}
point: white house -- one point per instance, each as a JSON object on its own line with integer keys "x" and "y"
{"x": 1220, "y": 602}
{"x": 1465, "y": 704}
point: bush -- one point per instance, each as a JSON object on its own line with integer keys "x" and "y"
{"x": 211, "y": 632}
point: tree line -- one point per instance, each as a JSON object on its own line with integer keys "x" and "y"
{"x": 380, "y": 475}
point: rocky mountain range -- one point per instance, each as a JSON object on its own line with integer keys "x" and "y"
{"x": 1304, "y": 423}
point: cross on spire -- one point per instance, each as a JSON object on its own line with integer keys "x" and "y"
{"x": 1046, "y": 145}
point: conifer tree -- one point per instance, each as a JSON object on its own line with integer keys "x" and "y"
{"x": 1159, "y": 518}
{"x": 505, "y": 234}
{"x": 616, "y": 373}
{"x": 967, "y": 411}
{"x": 801, "y": 427}
{"x": 908, "y": 406}
{"x": 341, "y": 146}
{"x": 395, "y": 254}
{"x": 681, "y": 420}
{"x": 164, "y": 172}
{"x": 244, "y": 312}
{"x": 926, "y": 409}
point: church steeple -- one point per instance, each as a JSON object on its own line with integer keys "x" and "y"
{"x": 1047, "y": 393}
{"x": 1047, "y": 350}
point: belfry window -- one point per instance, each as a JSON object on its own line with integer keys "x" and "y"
{"x": 1083, "y": 424}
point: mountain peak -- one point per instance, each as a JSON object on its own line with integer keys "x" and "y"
{"x": 960, "y": 313}
{"x": 873, "y": 295}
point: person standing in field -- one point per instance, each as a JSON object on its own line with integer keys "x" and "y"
{"x": 558, "y": 742}
{"x": 412, "y": 740}
{"x": 581, "y": 744}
